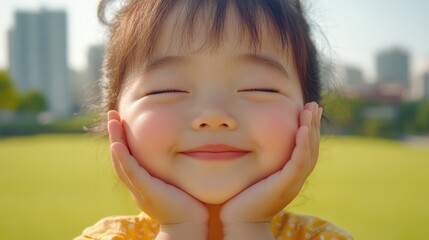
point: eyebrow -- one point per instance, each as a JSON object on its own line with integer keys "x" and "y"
{"x": 164, "y": 61}
{"x": 265, "y": 61}
{"x": 250, "y": 58}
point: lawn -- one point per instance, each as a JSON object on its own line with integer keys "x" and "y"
{"x": 53, "y": 186}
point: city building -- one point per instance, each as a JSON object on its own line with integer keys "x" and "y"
{"x": 393, "y": 66}
{"x": 353, "y": 76}
{"x": 95, "y": 62}
{"x": 352, "y": 81}
{"x": 426, "y": 85}
{"x": 38, "y": 57}
{"x": 79, "y": 84}
{"x": 393, "y": 73}
{"x": 85, "y": 82}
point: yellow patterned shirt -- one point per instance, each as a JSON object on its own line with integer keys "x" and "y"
{"x": 284, "y": 225}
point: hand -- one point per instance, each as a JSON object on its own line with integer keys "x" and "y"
{"x": 251, "y": 211}
{"x": 177, "y": 212}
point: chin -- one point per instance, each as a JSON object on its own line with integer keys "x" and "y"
{"x": 213, "y": 198}
{"x": 214, "y": 195}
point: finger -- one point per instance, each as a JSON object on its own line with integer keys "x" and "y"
{"x": 113, "y": 115}
{"x": 116, "y": 132}
{"x": 319, "y": 116}
{"x": 315, "y": 115}
{"x": 305, "y": 118}
{"x": 293, "y": 174}
{"x": 306, "y": 115}
{"x": 317, "y": 119}
{"x": 314, "y": 136}
{"x": 313, "y": 124}
{"x": 123, "y": 177}
{"x": 137, "y": 175}
{"x": 300, "y": 155}
{"x": 289, "y": 180}
{"x": 116, "y": 135}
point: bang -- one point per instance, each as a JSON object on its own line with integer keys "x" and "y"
{"x": 135, "y": 30}
{"x": 252, "y": 15}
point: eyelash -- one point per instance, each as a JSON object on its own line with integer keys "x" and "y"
{"x": 268, "y": 90}
{"x": 168, "y": 90}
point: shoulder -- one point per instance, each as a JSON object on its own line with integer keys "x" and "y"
{"x": 122, "y": 227}
{"x": 286, "y": 225}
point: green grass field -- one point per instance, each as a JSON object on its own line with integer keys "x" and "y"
{"x": 52, "y": 187}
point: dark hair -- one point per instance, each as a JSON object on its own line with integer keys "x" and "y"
{"x": 135, "y": 29}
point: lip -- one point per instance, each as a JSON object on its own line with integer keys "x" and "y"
{"x": 215, "y": 152}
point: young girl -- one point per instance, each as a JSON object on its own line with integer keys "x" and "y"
{"x": 213, "y": 119}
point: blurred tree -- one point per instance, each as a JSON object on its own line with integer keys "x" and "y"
{"x": 350, "y": 116}
{"x": 406, "y": 119}
{"x": 422, "y": 117}
{"x": 8, "y": 94}
{"x": 32, "y": 102}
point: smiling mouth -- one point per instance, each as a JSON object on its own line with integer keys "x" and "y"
{"x": 215, "y": 155}
{"x": 215, "y": 152}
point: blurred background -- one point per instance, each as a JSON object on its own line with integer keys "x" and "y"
{"x": 372, "y": 177}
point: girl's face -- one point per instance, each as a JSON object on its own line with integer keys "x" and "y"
{"x": 212, "y": 123}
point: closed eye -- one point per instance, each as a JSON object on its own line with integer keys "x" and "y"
{"x": 268, "y": 90}
{"x": 155, "y": 92}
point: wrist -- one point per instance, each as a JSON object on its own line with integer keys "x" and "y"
{"x": 247, "y": 231}
{"x": 183, "y": 231}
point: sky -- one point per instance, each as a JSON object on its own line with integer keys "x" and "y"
{"x": 354, "y": 30}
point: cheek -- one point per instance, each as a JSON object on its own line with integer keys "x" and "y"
{"x": 274, "y": 129}
{"x": 151, "y": 134}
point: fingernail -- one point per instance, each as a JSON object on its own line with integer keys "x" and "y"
{"x": 109, "y": 115}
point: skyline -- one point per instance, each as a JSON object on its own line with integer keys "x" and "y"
{"x": 355, "y": 30}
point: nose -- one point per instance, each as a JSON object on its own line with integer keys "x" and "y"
{"x": 214, "y": 119}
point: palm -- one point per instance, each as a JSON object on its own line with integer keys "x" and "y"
{"x": 261, "y": 201}
{"x": 161, "y": 201}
